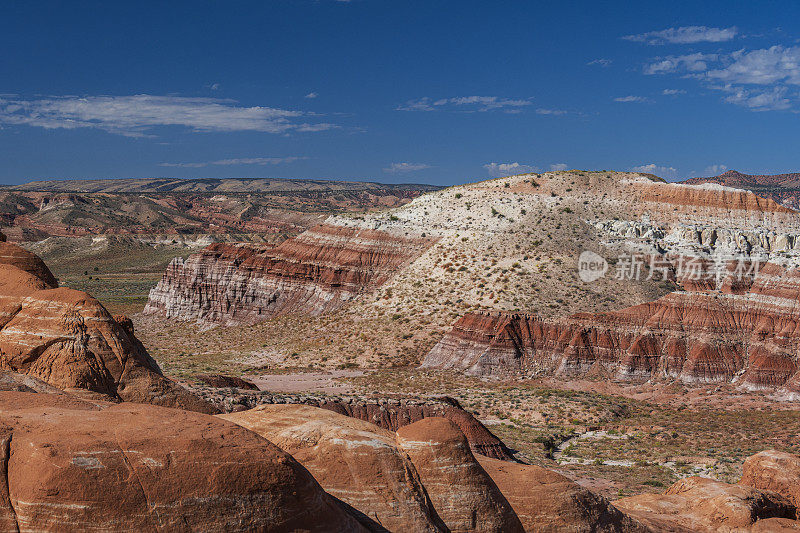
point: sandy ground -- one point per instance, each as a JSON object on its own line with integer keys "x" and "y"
{"x": 324, "y": 382}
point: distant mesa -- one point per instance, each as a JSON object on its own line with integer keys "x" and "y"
{"x": 208, "y": 185}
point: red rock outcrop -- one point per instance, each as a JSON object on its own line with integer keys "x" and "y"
{"x": 775, "y": 471}
{"x": 315, "y": 272}
{"x": 79, "y": 466}
{"x": 394, "y": 416}
{"x": 462, "y": 492}
{"x": 353, "y": 460}
{"x": 387, "y": 413}
{"x": 547, "y": 502}
{"x": 699, "y": 504}
{"x": 747, "y": 336}
{"x": 68, "y": 339}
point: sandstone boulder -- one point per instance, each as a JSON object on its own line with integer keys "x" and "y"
{"x": 775, "y": 471}
{"x": 698, "y": 504}
{"x": 11, "y": 254}
{"x": 462, "y": 492}
{"x": 547, "y": 502}
{"x": 68, "y": 339}
{"x": 776, "y": 525}
{"x": 80, "y": 466}
{"x": 353, "y": 460}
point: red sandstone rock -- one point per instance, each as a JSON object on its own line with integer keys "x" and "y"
{"x": 77, "y": 466}
{"x": 353, "y": 460}
{"x": 67, "y": 339}
{"x": 462, "y": 492}
{"x": 11, "y": 254}
{"x": 394, "y": 416}
{"x": 315, "y": 272}
{"x": 776, "y": 525}
{"x": 775, "y": 471}
{"x": 547, "y": 502}
{"x": 703, "y": 505}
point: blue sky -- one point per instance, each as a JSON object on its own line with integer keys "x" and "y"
{"x": 400, "y": 91}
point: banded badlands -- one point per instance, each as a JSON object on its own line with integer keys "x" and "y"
{"x": 491, "y": 268}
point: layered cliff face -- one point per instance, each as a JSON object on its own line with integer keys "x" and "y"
{"x": 68, "y": 339}
{"x": 507, "y": 245}
{"x": 783, "y": 188}
{"x": 318, "y": 271}
{"x": 748, "y": 334}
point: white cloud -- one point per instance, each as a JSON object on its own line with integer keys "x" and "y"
{"x": 601, "y": 62}
{"x": 688, "y": 63}
{"x": 397, "y": 168}
{"x": 214, "y": 86}
{"x": 499, "y": 170}
{"x": 466, "y": 103}
{"x": 714, "y": 170}
{"x": 774, "y": 99}
{"x": 545, "y": 111}
{"x": 311, "y": 95}
{"x": 652, "y": 168}
{"x": 558, "y": 166}
{"x": 777, "y": 69}
{"x": 685, "y": 35}
{"x": 263, "y": 161}
{"x": 632, "y": 99}
{"x": 761, "y": 67}
{"x": 135, "y": 115}
{"x": 672, "y": 92}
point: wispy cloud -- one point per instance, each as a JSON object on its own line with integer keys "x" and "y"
{"x": 558, "y": 166}
{"x": 602, "y": 62}
{"x": 687, "y": 63}
{"x": 685, "y": 35}
{"x": 774, "y": 99}
{"x": 466, "y": 103}
{"x": 672, "y": 92}
{"x": 714, "y": 170}
{"x": 776, "y": 70}
{"x": 137, "y": 115}
{"x": 399, "y": 168}
{"x": 652, "y": 168}
{"x": 311, "y": 95}
{"x": 760, "y": 67}
{"x": 546, "y": 111}
{"x": 632, "y": 99}
{"x": 263, "y": 161}
{"x": 499, "y": 170}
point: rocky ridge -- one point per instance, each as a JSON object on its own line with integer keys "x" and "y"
{"x": 783, "y": 188}
{"x": 387, "y": 413}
